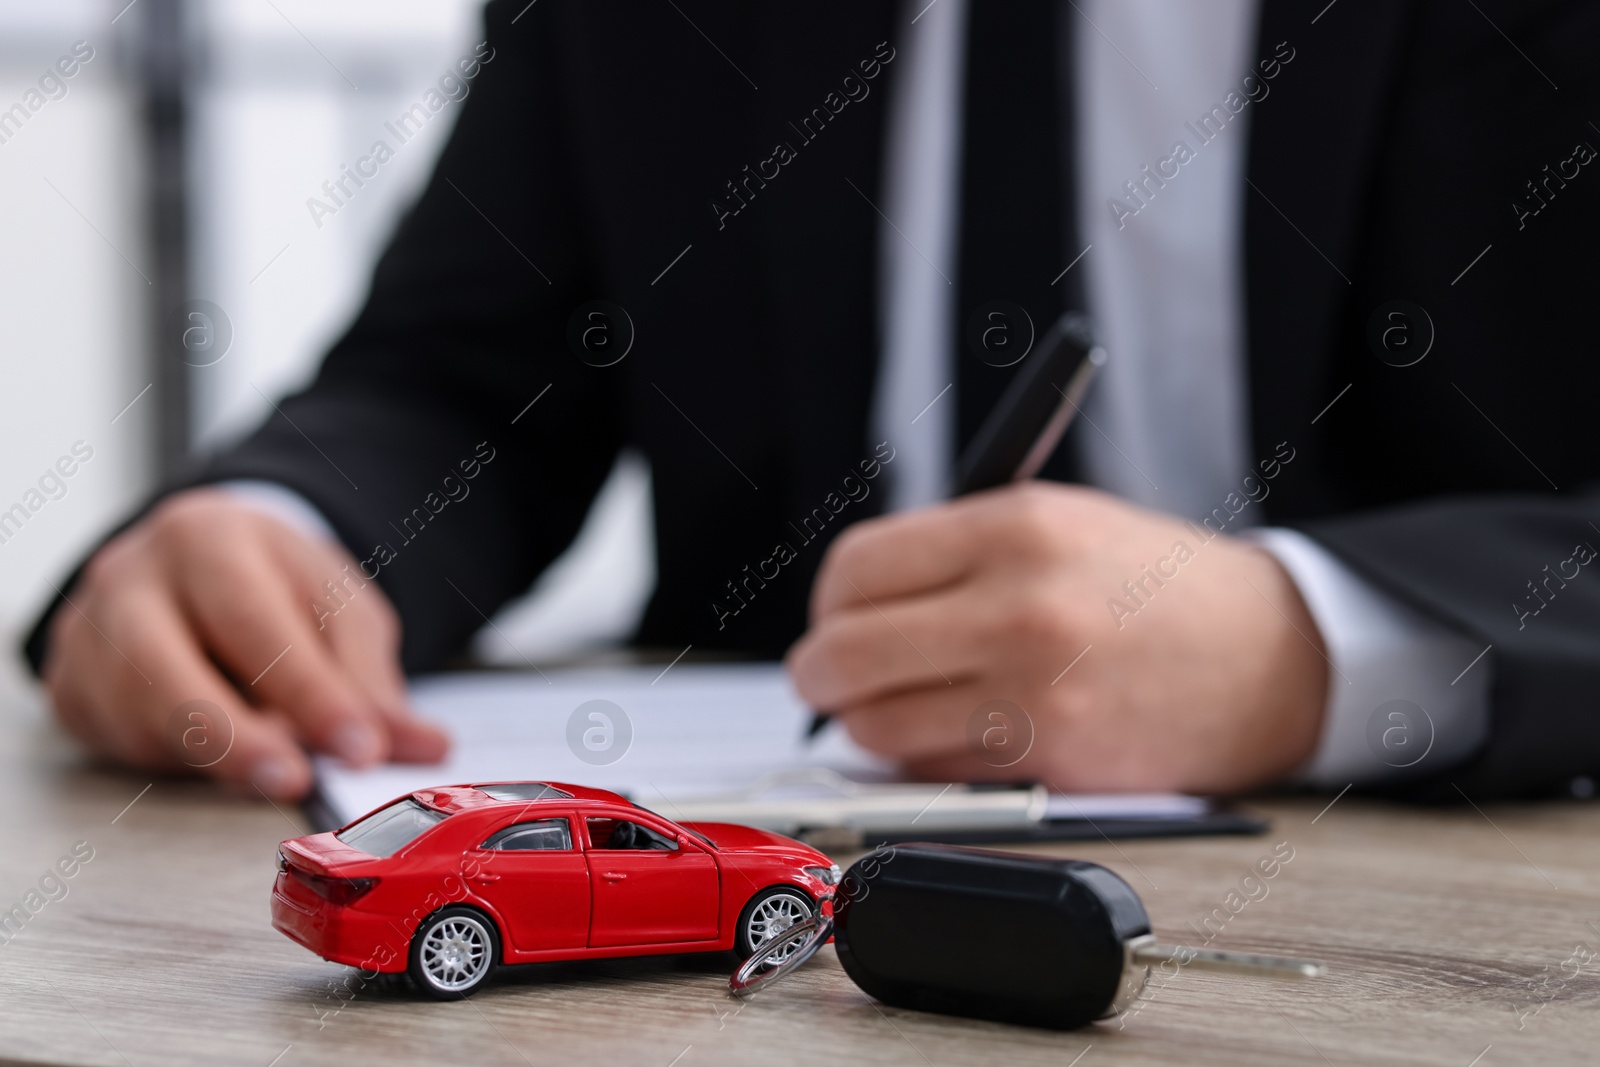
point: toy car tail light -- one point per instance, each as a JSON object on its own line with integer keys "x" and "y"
{"x": 333, "y": 890}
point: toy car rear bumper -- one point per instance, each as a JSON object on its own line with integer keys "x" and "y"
{"x": 340, "y": 934}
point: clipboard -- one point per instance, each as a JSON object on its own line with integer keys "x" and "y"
{"x": 722, "y": 743}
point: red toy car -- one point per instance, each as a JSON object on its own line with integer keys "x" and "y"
{"x": 446, "y": 883}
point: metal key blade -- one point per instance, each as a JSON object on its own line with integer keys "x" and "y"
{"x": 1210, "y": 959}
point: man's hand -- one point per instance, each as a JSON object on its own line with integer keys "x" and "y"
{"x": 209, "y": 600}
{"x": 1210, "y": 677}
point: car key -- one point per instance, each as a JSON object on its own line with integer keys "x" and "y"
{"x": 998, "y": 935}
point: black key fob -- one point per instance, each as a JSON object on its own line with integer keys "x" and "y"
{"x": 993, "y": 935}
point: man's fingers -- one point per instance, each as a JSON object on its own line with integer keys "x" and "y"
{"x": 416, "y": 740}
{"x": 363, "y": 648}
{"x": 917, "y": 724}
{"x": 268, "y": 642}
{"x": 257, "y": 750}
{"x": 202, "y": 599}
{"x": 884, "y": 558}
{"x": 928, "y": 548}
{"x": 855, "y": 655}
{"x": 81, "y": 662}
{"x": 188, "y": 715}
{"x": 362, "y": 633}
{"x": 956, "y": 734}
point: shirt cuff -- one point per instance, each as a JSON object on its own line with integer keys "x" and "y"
{"x": 280, "y": 502}
{"x": 1407, "y": 695}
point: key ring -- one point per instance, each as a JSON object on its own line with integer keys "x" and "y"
{"x": 811, "y": 934}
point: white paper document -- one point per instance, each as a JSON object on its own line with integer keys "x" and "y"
{"x": 690, "y": 739}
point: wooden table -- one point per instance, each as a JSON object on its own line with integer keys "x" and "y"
{"x": 1445, "y": 932}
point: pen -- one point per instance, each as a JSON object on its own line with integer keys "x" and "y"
{"x": 1028, "y": 420}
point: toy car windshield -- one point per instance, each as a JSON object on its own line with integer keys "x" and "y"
{"x": 696, "y": 833}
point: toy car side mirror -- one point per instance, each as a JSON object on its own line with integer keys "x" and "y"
{"x": 683, "y": 840}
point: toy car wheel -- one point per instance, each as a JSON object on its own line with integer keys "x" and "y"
{"x": 453, "y": 953}
{"x": 769, "y": 913}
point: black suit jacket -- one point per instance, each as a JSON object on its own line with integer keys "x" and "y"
{"x": 592, "y": 161}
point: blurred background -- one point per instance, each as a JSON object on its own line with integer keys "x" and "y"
{"x": 170, "y": 174}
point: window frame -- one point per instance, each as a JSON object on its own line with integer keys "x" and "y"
{"x": 614, "y": 816}
{"x": 572, "y": 843}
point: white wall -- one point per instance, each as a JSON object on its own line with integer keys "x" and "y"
{"x": 286, "y": 99}
{"x": 71, "y": 297}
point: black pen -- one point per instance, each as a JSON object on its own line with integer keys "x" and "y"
{"x": 1028, "y": 420}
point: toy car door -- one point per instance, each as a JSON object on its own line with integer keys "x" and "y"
{"x": 534, "y": 875}
{"x": 648, "y": 889}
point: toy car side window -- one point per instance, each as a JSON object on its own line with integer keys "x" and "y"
{"x": 622, "y": 834}
{"x": 536, "y": 836}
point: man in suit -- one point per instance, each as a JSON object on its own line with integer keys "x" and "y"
{"x": 1324, "y": 511}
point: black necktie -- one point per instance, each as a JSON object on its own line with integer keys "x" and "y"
{"x": 1016, "y": 198}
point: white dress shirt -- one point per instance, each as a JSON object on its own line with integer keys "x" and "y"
{"x": 1165, "y": 287}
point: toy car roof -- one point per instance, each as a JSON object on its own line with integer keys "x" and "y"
{"x": 487, "y": 794}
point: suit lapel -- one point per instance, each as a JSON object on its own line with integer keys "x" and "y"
{"x": 1312, "y": 149}
{"x": 819, "y": 236}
